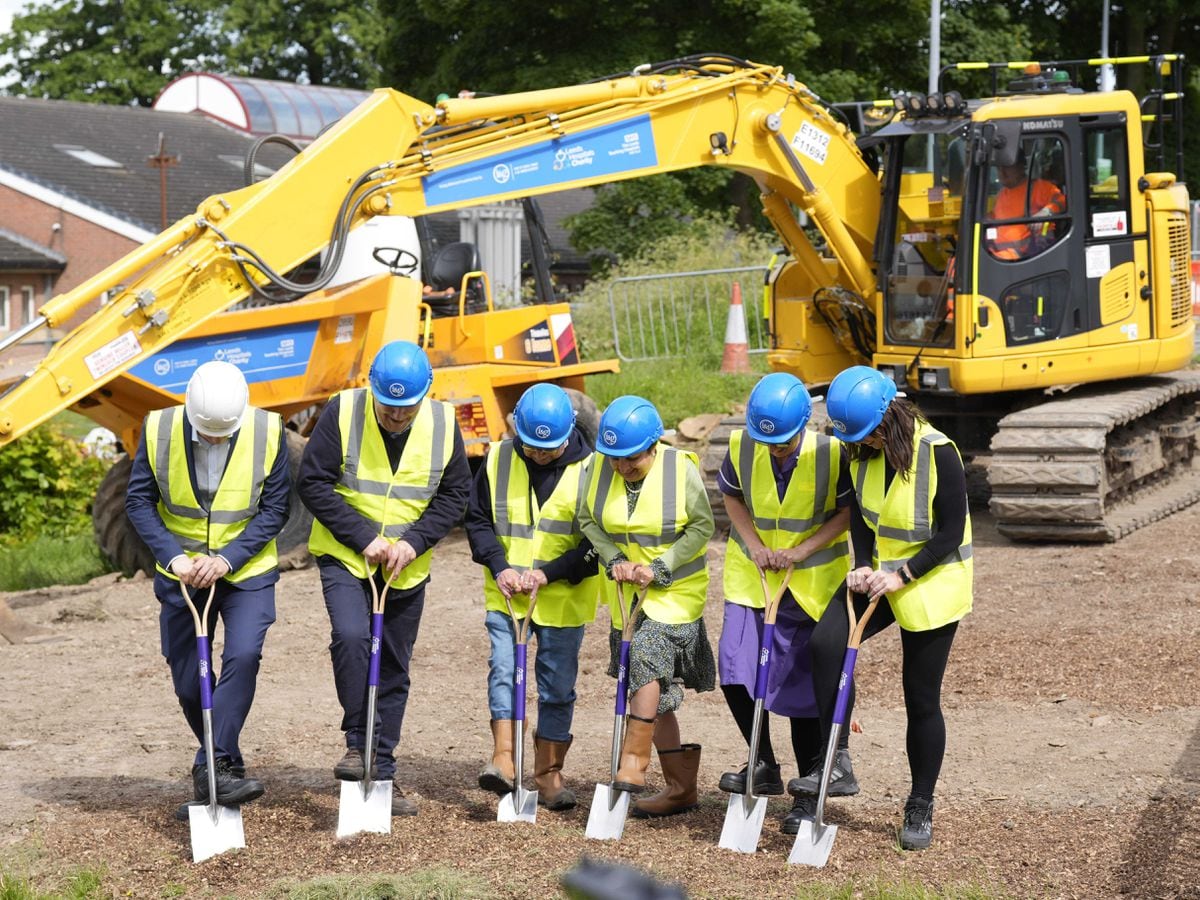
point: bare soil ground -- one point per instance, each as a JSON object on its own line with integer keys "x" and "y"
{"x": 1073, "y": 765}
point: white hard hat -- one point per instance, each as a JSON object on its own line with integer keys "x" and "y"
{"x": 216, "y": 399}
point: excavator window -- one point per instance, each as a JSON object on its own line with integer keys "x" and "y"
{"x": 1108, "y": 182}
{"x": 1034, "y": 310}
{"x": 1027, "y": 202}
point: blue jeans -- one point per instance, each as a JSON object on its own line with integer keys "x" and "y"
{"x": 555, "y": 669}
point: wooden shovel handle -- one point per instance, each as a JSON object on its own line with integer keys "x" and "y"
{"x": 772, "y": 602}
{"x": 629, "y": 616}
{"x": 857, "y": 627}
{"x": 200, "y": 620}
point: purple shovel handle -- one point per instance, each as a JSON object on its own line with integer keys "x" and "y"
{"x": 519, "y": 682}
{"x": 844, "y": 683}
{"x": 202, "y": 651}
{"x": 622, "y": 676}
{"x": 376, "y": 642}
{"x": 764, "y": 662}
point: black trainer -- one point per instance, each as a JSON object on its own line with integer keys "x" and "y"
{"x": 803, "y": 807}
{"x": 917, "y": 833}
{"x": 841, "y": 784}
{"x": 181, "y": 812}
{"x": 350, "y": 766}
{"x": 232, "y": 790}
{"x": 767, "y": 782}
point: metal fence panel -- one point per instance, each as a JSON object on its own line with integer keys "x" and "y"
{"x": 681, "y": 313}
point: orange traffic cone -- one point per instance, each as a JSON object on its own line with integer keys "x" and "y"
{"x": 736, "y": 357}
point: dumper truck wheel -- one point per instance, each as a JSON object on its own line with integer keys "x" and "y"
{"x": 114, "y": 532}
{"x": 292, "y": 542}
{"x": 587, "y": 415}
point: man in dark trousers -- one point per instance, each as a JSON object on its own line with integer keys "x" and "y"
{"x": 385, "y": 475}
{"x": 208, "y": 493}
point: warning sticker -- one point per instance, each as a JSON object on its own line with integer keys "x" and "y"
{"x": 1097, "y": 261}
{"x": 812, "y": 142}
{"x": 101, "y": 362}
{"x": 1109, "y": 224}
{"x": 345, "y": 330}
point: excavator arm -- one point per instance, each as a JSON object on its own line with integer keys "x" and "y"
{"x": 395, "y": 155}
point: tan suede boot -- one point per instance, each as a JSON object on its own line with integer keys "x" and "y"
{"x": 497, "y": 776}
{"x": 680, "y": 768}
{"x": 547, "y": 774}
{"x": 635, "y": 755}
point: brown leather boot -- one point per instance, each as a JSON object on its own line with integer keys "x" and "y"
{"x": 497, "y": 776}
{"x": 680, "y": 768}
{"x": 635, "y": 755}
{"x": 547, "y": 774}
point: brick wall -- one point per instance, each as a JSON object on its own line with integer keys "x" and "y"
{"x": 87, "y": 247}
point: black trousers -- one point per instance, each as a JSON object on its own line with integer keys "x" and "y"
{"x": 924, "y": 665}
{"x": 348, "y": 602}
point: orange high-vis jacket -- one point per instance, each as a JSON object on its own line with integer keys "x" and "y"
{"x": 1016, "y": 241}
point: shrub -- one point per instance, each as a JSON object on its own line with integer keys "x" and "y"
{"x": 47, "y": 484}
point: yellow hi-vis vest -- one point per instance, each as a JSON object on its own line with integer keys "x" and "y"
{"x": 200, "y": 531}
{"x": 902, "y": 520}
{"x": 393, "y": 500}
{"x": 534, "y": 535}
{"x": 808, "y": 502}
{"x": 657, "y": 523}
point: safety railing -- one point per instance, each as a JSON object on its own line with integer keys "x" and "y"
{"x": 682, "y": 313}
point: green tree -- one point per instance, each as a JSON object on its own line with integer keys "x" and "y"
{"x": 107, "y": 52}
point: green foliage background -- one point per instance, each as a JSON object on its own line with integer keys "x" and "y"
{"x": 46, "y": 478}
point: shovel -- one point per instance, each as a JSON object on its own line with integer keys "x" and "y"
{"x": 214, "y": 828}
{"x": 367, "y": 805}
{"x": 745, "y": 814}
{"x": 814, "y": 840}
{"x": 610, "y": 807}
{"x": 520, "y": 805}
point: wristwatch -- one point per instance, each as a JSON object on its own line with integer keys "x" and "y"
{"x": 904, "y": 576}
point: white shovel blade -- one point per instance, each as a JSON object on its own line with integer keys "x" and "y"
{"x": 606, "y": 824}
{"x": 371, "y": 813}
{"x": 519, "y": 806}
{"x": 741, "y": 832}
{"x": 210, "y": 838}
{"x": 813, "y": 843}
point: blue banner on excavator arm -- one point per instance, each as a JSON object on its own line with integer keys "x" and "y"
{"x": 262, "y": 354}
{"x": 620, "y": 147}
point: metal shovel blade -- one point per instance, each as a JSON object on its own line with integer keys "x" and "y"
{"x": 370, "y": 813}
{"x": 813, "y": 844}
{"x": 742, "y": 830}
{"x": 519, "y": 806}
{"x": 212, "y": 836}
{"x": 606, "y": 821}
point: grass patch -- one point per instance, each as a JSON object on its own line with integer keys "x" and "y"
{"x": 882, "y": 888}
{"x": 678, "y": 387}
{"x": 48, "y": 560}
{"x": 81, "y": 885}
{"x": 424, "y": 884}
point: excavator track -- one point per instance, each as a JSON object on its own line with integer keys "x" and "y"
{"x": 1098, "y": 463}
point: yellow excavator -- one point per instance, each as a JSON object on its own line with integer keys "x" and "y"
{"x": 900, "y": 254}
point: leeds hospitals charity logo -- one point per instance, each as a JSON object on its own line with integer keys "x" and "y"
{"x": 609, "y": 437}
{"x": 396, "y": 389}
{"x": 766, "y": 426}
{"x": 542, "y": 431}
{"x": 501, "y": 173}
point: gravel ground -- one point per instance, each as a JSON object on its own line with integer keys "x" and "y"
{"x": 1072, "y": 770}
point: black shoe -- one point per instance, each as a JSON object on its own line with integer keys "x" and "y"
{"x": 803, "y": 807}
{"x": 917, "y": 833}
{"x": 231, "y": 789}
{"x": 401, "y": 805}
{"x": 767, "y": 782}
{"x": 841, "y": 784}
{"x": 350, "y": 766}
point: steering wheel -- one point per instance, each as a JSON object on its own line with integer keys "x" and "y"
{"x": 398, "y": 262}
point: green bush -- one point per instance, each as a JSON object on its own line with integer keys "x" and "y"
{"x": 47, "y": 483}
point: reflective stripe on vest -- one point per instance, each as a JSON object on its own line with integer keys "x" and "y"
{"x": 657, "y": 522}
{"x": 809, "y": 501}
{"x": 902, "y": 519}
{"x": 393, "y": 500}
{"x": 533, "y": 535}
{"x": 201, "y": 532}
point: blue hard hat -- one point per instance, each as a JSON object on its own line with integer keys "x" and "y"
{"x": 629, "y": 426}
{"x": 400, "y": 374}
{"x": 779, "y": 408}
{"x": 857, "y": 400}
{"x": 544, "y": 416}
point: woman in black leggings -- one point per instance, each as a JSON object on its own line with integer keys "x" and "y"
{"x": 908, "y": 516}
